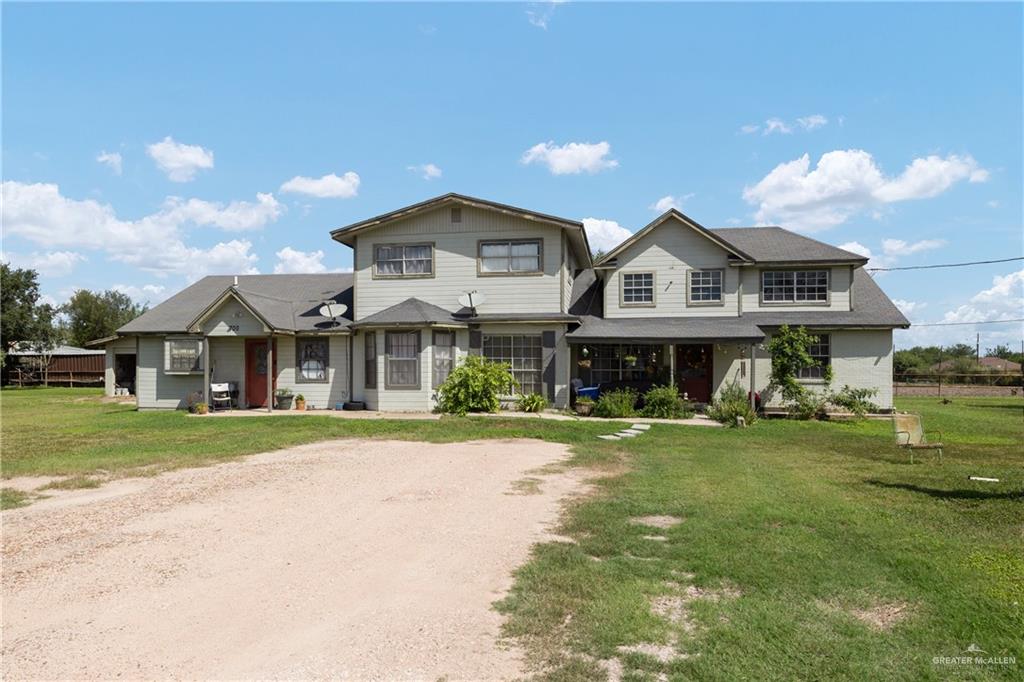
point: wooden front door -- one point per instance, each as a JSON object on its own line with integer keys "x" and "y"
{"x": 256, "y": 371}
{"x": 694, "y": 371}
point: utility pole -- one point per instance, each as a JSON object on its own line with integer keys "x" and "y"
{"x": 977, "y": 348}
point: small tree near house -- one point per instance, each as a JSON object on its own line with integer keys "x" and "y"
{"x": 790, "y": 352}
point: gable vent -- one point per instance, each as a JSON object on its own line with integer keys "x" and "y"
{"x": 456, "y": 214}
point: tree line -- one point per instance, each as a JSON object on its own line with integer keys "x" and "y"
{"x": 958, "y": 358}
{"x": 28, "y": 323}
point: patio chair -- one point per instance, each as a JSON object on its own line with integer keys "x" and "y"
{"x": 910, "y": 435}
{"x": 220, "y": 397}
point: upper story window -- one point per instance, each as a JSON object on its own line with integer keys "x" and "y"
{"x": 794, "y": 286}
{"x": 821, "y": 354}
{"x": 637, "y": 288}
{"x": 514, "y": 256}
{"x": 706, "y": 286}
{"x": 403, "y": 260}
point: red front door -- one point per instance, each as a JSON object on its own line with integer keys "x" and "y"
{"x": 256, "y": 371}
{"x": 693, "y": 371}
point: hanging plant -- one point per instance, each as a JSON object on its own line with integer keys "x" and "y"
{"x": 585, "y": 364}
{"x": 630, "y": 360}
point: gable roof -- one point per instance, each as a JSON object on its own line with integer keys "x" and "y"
{"x": 686, "y": 220}
{"x": 287, "y": 303}
{"x": 411, "y": 312}
{"x": 345, "y": 234}
{"x": 778, "y": 245}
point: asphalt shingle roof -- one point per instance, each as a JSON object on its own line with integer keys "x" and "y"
{"x": 776, "y": 245}
{"x": 412, "y": 312}
{"x": 287, "y": 302}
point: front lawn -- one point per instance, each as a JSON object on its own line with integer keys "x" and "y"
{"x": 801, "y": 550}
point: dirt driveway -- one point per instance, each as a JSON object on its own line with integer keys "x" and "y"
{"x": 348, "y": 559}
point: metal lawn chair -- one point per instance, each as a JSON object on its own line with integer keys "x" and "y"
{"x": 910, "y": 435}
{"x": 220, "y": 396}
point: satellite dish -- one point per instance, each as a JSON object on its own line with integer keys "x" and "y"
{"x": 333, "y": 310}
{"x": 472, "y": 299}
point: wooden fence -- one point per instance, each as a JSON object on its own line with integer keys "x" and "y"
{"x": 20, "y": 376}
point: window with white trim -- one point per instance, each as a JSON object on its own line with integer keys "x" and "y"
{"x": 402, "y": 359}
{"x": 706, "y": 286}
{"x": 821, "y": 355}
{"x": 444, "y": 356}
{"x": 637, "y": 288}
{"x": 511, "y": 257}
{"x": 403, "y": 260}
{"x": 794, "y": 286}
{"x": 183, "y": 355}
{"x": 523, "y": 353}
{"x": 311, "y": 360}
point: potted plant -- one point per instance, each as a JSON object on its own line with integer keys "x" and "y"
{"x": 585, "y": 363}
{"x": 300, "y": 402}
{"x": 284, "y": 398}
{"x": 630, "y": 360}
{"x": 201, "y": 408}
{"x": 584, "y": 406}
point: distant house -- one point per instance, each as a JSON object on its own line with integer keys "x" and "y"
{"x": 676, "y": 303}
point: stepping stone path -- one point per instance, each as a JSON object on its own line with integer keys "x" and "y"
{"x": 632, "y": 432}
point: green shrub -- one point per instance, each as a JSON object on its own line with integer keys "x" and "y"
{"x": 663, "y": 402}
{"x": 476, "y": 385}
{"x": 856, "y": 400}
{"x": 534, "y": 402}
{"x": 808, "y": 405}
{"x": 614, "y": 404}
{"x": 732, "y": 402}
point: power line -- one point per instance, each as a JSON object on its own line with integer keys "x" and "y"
{"x": 946, "y": 265}
{"x": 955, "y": 324}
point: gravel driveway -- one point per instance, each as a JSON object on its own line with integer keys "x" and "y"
{"x": 347, "y": 559}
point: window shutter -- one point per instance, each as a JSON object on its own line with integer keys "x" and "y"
{"x": 476, "y": 341}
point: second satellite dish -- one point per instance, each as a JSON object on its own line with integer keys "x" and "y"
{"x": 333, "y": 310}
{"x": 472, "y": 299}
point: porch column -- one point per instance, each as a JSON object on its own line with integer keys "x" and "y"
{"x": 753, "y": 401}
{"x": 672, "y": 364}
{"x": 206, "y": 371}
{"x": 270, "y": 373}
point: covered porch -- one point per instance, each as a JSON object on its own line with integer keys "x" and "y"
{"x": 696, "y": 355}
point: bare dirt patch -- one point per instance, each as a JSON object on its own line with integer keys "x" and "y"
{"x": 882, "y": 616}
{"x": 660, "y": 521}
{"x": 347, "y": 559}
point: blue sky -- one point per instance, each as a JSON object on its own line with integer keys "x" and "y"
{"x": 147, "y": 145}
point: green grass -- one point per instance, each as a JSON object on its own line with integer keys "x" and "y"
{"x": 12, "y": 499}
{"x": 810, "y": 522}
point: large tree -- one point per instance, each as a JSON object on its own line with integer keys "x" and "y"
{"x": 94, "y": 315}
{"x": 19, "y": 298}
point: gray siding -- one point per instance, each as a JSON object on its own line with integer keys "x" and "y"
{"x": 318, "y": 395}
{"x": 455, "y": 264}
{"x": 155, "y": 388}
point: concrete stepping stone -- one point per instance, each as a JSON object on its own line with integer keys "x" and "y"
{"x": 635, "y": 432}
{"x": 609, "y": 437}
{"x": 626, "y": 434}
{"x": 641, "y": 427}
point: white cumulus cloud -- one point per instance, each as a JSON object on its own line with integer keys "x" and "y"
{"x": 236, "y": 216}
{"x": 669, "y": 201}
{"x": 155, "y": 243}
{"x": 908, "y": 308}
{"x": 899, "y": 247}
{"x": 180, "y": 161}
{"x": 48, "y": 264}
{"x": 329, "y": 186}
{"x": 427, "y": 170}
{"x": 847, "y": 182}
{"x": 604, "y": 235}
{"x": 148, "y": 293}
{"x": 571, "y": 158}
{"x": 112, "y": 160}
{"x": 291, "y": 260}
{"x": 812, "y": 122}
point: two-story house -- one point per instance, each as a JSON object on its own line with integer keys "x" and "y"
{"x": 676, "y": 304}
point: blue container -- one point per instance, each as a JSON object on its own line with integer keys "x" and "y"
{"x": 588, "y": 392}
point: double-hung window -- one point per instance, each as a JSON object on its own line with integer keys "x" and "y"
{"x": 706, "y": 286}
{"x": 444, "y": 356}
{"x": 794, "y": 286}
{"x": 637, "y": 288}
{"x": 311, "y": 360}
{"x": 183, "y": 355}
{"x": 821, "y": 355}
{"x": 370, "y": 360}
{"x": 402, "y": 359}
{"x": 523, "y": 353}
{"x": 515, "y": 256}
{"x": 403, "y": 260}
